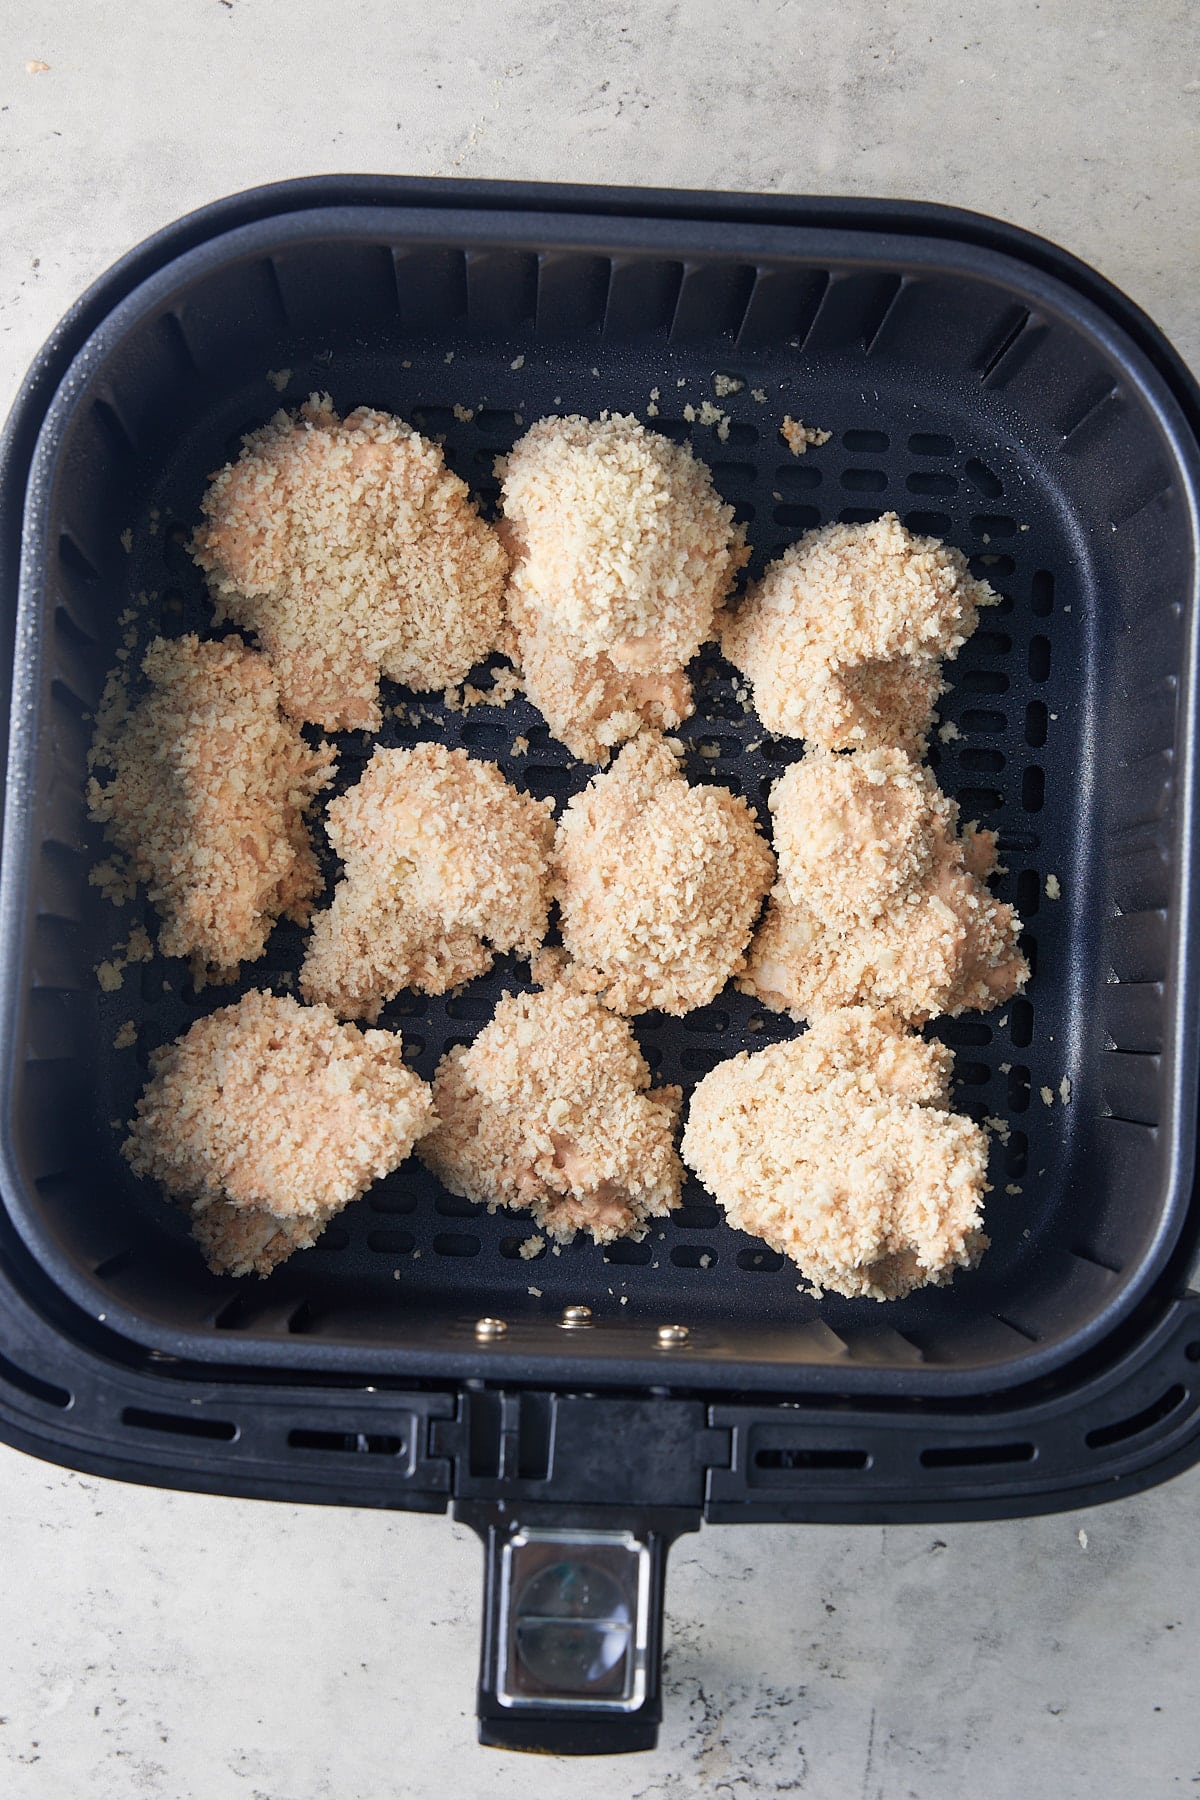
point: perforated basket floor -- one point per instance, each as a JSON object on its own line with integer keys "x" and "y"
{"x": 961, "y": 391}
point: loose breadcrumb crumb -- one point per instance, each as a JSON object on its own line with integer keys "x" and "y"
{"x": 1064, "y": 1090}
{"x": 759, "y": 395}
{"x": 842, "y": 636}
{"x": 518, "y": 362}
{"x": 533, "y": 1246}
{"x": 110, "y": 976}
{"x": 880, "y": 900}
{"x": 464, "y": 414}
{"x": 352, "y": 551}
{"x": 279, "y": 378}
{"x": 658, "y": 883}
{"x": 550, "y": 1109}
{"x": 266, "y": 1118}
{"x": 948, "y": 732}
{"x": 1053, "y": 888}
{"x": 839, "y": 1150}
{"x": 798, "y": 436}
{"x": 208, "y": 798}
{"x": 536, "y": 1292}
{"x": 519, "y": 747}
{"x": 724, "y": 385}
{"x": 1000, "y": 1129}
{"x": 1047, "y": 1095}
{"x": 126, "y": 1037}
{"x": 1013, "y": 1188}
{"x": 445, "y": 864}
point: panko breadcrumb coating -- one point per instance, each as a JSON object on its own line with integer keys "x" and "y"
{"x": 623, "y": 544}
{"x": 622, "y": 552}
{"x": 589, "y": 704}
{"x": 445, "y": 864}
{"x": 266, "y": 1118}
{"x": 352, "y": 551}
{"x": 839, "y": 1150}
{"x": 551, "y": 1109}
{"x": 208, "y": 800}
{"x": 879, "y": 900}
{"x": 842, "y": 636}
{"x": 658, "y": 883}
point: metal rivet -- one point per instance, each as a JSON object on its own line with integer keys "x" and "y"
{"x": 672, "y": 1334}
{"x": 575, "y": 1318}
{"x": 490, "y": 1328}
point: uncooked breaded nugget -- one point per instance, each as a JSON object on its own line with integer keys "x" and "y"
{"x": 879, "y": 900}
{"x": 622, "y": 542}
{"x": 659, "y": 883}
{"x": 208, "y": 800}
{"x": 839, "y": 1150}
{"x": 550, "y": 1109}
{"x": 352, "y": 551}
{"x": 622, "y": 552}
{"x": 272, "y": 1111}
{"x": 843, "y": 635}
{"x": 445, "y": 864}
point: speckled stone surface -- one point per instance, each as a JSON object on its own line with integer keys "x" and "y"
{"x": 166, "y": 1645}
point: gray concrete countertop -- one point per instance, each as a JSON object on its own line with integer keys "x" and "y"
{"x": 185, "y": 1648}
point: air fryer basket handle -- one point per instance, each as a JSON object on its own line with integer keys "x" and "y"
{"x": 571, "y": 1654}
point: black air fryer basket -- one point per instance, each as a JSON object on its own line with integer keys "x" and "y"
{"x": 580, "y": 1410}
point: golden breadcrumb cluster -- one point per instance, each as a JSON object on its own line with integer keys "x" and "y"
{"x": 880, "y": 899}
{"x": 208, "y": 800}
{"x": 352, "y": 551}
{"x": 839, "y": 1149}
{"x": 622, "y": 551}
{"x": 551, "y": 1109}
{"x": 445, "y": 863}
{"x": 843, "y": 636}
{"x": 267, "y": 1117}
{"x": 658, "y": 883}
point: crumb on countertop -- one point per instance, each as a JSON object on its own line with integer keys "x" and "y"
{"x": 1064, "y": 1090}
{"x": 1053, "y": 887}
{"x": 724, "y": 385}
{"x": 1047, "y": 1094}
{"x": 126, "y": 1037}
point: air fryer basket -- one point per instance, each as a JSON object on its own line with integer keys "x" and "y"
{"x": 986, "y": 389}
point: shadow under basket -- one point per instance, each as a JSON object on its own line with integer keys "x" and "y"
{"x": 986, "y": 388}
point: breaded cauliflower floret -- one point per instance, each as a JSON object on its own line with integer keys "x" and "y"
{"x": 352, "y": 551}
{"x": 445, "y": 864}
{"x": 840, "y": 1151}
{"x": 622, "y": 552}
{"x": 659, "y": 883}
{"x": 878, "y": 899}
{"x": 843, "y": 635}
{"x": 266, "y": 1118}
{"x": 208, "y": 798}
{"x": 551, "y": 1109}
